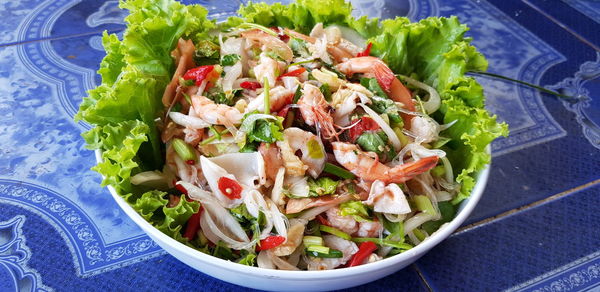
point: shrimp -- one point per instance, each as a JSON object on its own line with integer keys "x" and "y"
{"x": 368, "y": 167}
{"x": 313, "y": 151}
{"x": 351, "y": 226}
{"x": 272, "y": 157}
{"x": 266, "y": 69}
{"x": 279, "y": 97}
{"x": 293, "y": 164}
{"x": 269, "y": 42}
{"x": 344, "y": 102}
{"x": 348, "y": 249}
{"x": 216, "y": 114}
{"x": 294, "y": 239}
{"x": 343, "y": 223}
{"x": 315, "y": 110}
{"x": 372, "y": 66}
{"x": 387, "y": 199}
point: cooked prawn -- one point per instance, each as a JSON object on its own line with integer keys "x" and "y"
{"x": 311, "y": 148}
{"x": 279, "y": 97}
{"x": 347, "y": 247}
{"x": 374, "y": 67}
{"x": 343, "y": 223}
{"x": 272, "y": 157}
{"x": 216, "y": 114}
{"x": 269, "y": 42}
{"x": 368, "y": 167}
{"x": 315, "y": 110}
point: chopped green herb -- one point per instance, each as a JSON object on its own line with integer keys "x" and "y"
{"x": 230, "y": 60}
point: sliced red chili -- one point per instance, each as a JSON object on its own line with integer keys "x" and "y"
{"x": 366, "y": 52}
{"x": 293, "y": 73}
{"x": 322, "y": 220}
{"x": 282, "y": 36}
{"x": 198, "y": 74}
{"x": 181, "y": 189}
{"x": 193, "y": 225}
{"x": 271, "y": 242}
{"x": 364, "y": 251}
{"x": 252, "y": 85}
{"x": 365, "y": 124}
{"x": 230, "y": 188}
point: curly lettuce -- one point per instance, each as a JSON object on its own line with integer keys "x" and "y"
{"x": 137, "y": 68}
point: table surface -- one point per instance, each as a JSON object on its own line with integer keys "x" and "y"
{"x": 535, "y": 229}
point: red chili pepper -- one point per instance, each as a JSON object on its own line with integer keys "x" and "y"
{"x": 366, "y": 52}
{"x": 292, "y": 73}
{"x": 181, "y": 189}
{"x": 230, "y": 188}
{"x": 193, "y": 225}
{"x": 322, "y": 220}
{"x": 282, "y": 36}
{"x": 364, "y": 251}
{"x": 365, "y": 124}
{"x": 271, "y": 242}
{"x": 252, "y": 85}
{"x": 199, "y": 74}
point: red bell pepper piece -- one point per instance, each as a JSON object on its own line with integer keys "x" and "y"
{"x": 230, "y": 188}
{"x": 282, "y": 36}
{"x": 364, "y": 251}
{"x": 271, "y": 242}
{"x": 322, "y": 220}
{"x": 181, "y": 189}
{"x": 366, "y": 52}
{"x": 198, "y": 74}
{"x": 365, "y": 124}
{"x": 293, "y": 73}
{"x": 252, "y": 85}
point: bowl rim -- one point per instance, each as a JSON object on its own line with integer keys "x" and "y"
{"x": 441, "y": 234}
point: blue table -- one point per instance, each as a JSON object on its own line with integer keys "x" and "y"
{"x": 535, "y": 229}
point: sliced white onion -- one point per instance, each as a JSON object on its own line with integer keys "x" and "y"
{"x": 417, "y": 151}
{"x": 231, "y": 76}
{"x": 188, "y": 121}
{"x": 298, "y": 186}
{"x": 281, "y": 263}
{"x": 248, "y": 168}
{"x": 416, "y": 221}
{"x": 449, "y": 174}
{"x": 264, "y": 261}
{"x": 434, "y": 101}
{"x": 276, "y": 192}
{"x": 384, "y": 126}
{"x": 280, "y": 222}
{"x": 413, "y": 238}
{"x": 394, "y": 217}
{"x": 443, "y": 196}
{"x": 153, "y": 178}
{"x": 213, "y": 172}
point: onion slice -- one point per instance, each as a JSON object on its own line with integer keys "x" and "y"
{"x": 434, "y": 101}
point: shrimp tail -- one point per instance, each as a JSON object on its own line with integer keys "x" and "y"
{"x": 410, "y": 170}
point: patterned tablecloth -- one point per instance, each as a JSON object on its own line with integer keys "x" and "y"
{"x": 536, "y": 227}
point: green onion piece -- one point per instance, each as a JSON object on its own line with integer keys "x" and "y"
{"x": 267, "y": 97}
{"x": 187, "y": 98}
{"x": 318, "y": 248}
{"x": 259, "y": 27}
{"x": 333, "y": 253}
{"x": 438, "y": 171}
{"x": 184, "y": 150}
{"x": 338, "y": 171}
{"x": 386, "y": 242}
{"x": 214, "y": 137}
{"x": 335, "y": 232}
{"x": 312, "y": 240}
{"x": 523, "y": 83}
{"x": 301, "y": 62}
{"x": 419, "y": 234}
{"x": 424, "y": 204}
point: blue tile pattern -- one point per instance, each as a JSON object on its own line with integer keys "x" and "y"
{"x": 54, "y": 211}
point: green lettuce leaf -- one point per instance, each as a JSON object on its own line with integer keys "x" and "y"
{"x": 120, "y": 143}
{"x": 170, "y": 220}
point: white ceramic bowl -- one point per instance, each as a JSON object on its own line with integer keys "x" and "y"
{"x": 277, "y": 280}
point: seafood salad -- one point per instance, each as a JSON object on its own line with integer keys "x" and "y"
{"x": 288, "y": 146}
